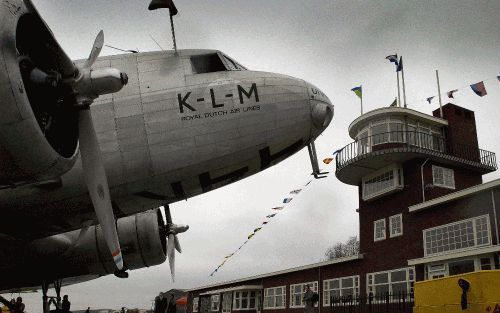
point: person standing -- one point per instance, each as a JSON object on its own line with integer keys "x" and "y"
{"x": 66, "y": 305}
{"x": 308, "y": 299}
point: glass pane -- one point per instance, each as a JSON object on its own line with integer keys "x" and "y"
{"x": 347, "y": 282}
{"x": 461, "y": 267}
{"x": 398, "y": 276}
{"x": 244, "y": 303}
{"x": 381, "y": 278}
{"x": 381, "y": 289}
{"x": 398, "y": 287}
{"x": 379, "y": 134}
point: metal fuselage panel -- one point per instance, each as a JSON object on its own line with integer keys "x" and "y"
{"x": 172, "y": 134}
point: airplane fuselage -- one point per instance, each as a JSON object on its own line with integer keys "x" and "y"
{"x": 173, "y": 133}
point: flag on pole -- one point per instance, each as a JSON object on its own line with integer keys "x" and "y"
{"x": 358, "y": 91}
{"x": 393, "y": 58}
{"x": 479, "y": 89}
{"x": 430, "y": 99}
{"x": 399, "y": 67}
{"x": 163, "y": 4}
{"x": 328, "y": 160}
{"x": 451, "y": 92}
{"x": 394, "y": 103}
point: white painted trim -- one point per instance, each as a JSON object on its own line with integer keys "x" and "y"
{"x": 390, "y": 112}
{"x": 284, "y": 295}
{"x": 357, "y": 289}
{"x": 290, "y": 270}
{"x": 302, "y": 293}
{"x": 455, "y": 195}
{"x": 237, "y": 288}
{"x": 400, "y": 215}
{"x": 375, "y": 230}
{"x": 460, "y": 254}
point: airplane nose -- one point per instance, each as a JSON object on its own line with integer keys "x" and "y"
{"x": 321, "y": 111}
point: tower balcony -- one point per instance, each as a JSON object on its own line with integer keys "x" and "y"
{"x": 370, "y": 153}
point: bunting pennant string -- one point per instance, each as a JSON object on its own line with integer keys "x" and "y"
{"x": 478, "y": 88}
{"x": 265, "y": 222}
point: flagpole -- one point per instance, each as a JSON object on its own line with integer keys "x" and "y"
{"x": 403, "y": 78}
{"x": 439, "y": 94}
{"x": 361, "y": 99}
{"x": 173, "y": 32}
{"x": 399, "y": 93}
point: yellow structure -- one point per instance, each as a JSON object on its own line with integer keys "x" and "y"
{"x": 443, "y": 295}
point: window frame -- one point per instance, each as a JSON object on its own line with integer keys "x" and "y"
{"x": 444, "y": 171}
{"x": 213, "y": 301}
{"x": 394, "y": 234}
{"x": 196, "y": 304}
{"x": 314, "y": 288}
{"x": 427, "y": 233}
{"x": 409, "y": 279}
{"x": 375, "y": 238}
{"x": 397, "y": 181}
{"x": 224, "y": 308}
{"x": 248, "y": 298}
{"x": 327, "y": 291}
{"x": 266, "y": 305}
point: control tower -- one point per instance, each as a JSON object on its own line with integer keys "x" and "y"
{"x": 401, "y": 158}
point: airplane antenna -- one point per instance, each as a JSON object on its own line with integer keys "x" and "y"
{"x": 133, "y": 51}
{"x": 156, "y": 42}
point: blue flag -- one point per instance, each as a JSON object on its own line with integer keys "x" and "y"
{"x": 393, "y": 58}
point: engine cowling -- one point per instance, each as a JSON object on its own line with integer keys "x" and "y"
{"x": 38, "y": 137}
{"x": 84, "y": 252}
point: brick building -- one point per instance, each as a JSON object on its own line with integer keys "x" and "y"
{"x": 424, "y": 213}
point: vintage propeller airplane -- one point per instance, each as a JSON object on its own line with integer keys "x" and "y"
{"x": 90, "y": 149}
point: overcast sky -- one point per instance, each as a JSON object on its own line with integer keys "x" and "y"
{"x": 335, "y": 45}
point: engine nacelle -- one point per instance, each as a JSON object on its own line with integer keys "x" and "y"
{"x": 38, "y": 140}
{"x": 84, "y": 252}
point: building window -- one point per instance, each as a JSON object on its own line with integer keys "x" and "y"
{"x": 396, "y": 225}
{"x": 461, "y": 267}
{"x": 274, "y": 298}
{"x": 379, "y": 230}
{"x": 443, "y": 177}
{"x": 297, "y": 293}
{"x": 485, "y": 264}
{"x": 245, "y": 300}
{"x": 382, "y": 181}
{"x": 395, "y": 281}
{"x": 215, "y": 303}
{"x": 340, "y": 287}
{"x": 226, "y": 302}
{"x": 195, "y": 304}
{"x": 465, "y": 234}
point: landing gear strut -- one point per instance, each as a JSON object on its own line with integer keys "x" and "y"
{"x": 45, "y": 299}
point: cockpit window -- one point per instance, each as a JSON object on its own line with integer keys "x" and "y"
{"x": 233, "y": 65}
{"x": 207, "y": 63}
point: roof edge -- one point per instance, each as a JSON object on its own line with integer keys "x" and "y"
{"x": 455, "y": 195}
{"x": 289, "y": 270}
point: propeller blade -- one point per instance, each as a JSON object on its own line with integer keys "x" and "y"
{"x": 177, "y": 244}
{"x": 171, "y": 254}
{"x": 168, "y": 217}
{"x": 96, "y": 50}
{"x": 97, "y": 184}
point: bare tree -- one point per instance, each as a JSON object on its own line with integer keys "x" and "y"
{"x": 343, "y": 249}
